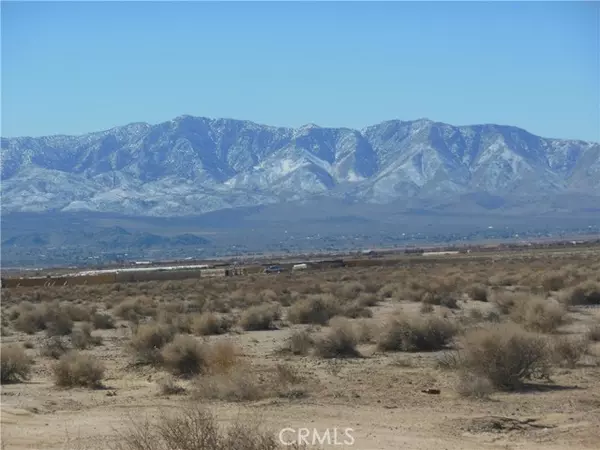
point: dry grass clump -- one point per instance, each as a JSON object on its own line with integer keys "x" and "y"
{"x": 314, "y": 309}
{"x": 300, "y": 343}
{"x": 538, "y": 313}
{"x": 78, "y": 313}
{"x": 78, "y": 370}
{"x": 102, "y": 321}
{"x": 568, "y": 350}
{"x": 15, "y": 365}
{"x": 185, "y": 356}
{"x": 339, "y": 341}
{"x": 135, "y": 308}
{"x": 82, "y": 338}
{"x": 239, "y": 384}
{"x": 586, "y": 293}
{"x": 244, "y": 383}
{"x": 148, "y": 340}
{"x": 53, "y": 318}
{"x": 504, "y": 354}
{"x": 261, "y": 317}
{"x": 209, "y": 323}
{"x": 594, "y": 333}
{"x": 414, "y": 333}
{"x": 54, "y": 347}
{"x": 168, "y": 386}
{"x": 193, "y": 428}
{"x": 478, "y": 292}
{"x": 554, "y": 280}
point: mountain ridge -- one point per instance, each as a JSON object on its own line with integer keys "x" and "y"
{"x": 193, "y": 165}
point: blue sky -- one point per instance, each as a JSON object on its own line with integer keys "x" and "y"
{"x": 71, "y": 68}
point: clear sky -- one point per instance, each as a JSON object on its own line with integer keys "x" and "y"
{"x": 71, "y": 68}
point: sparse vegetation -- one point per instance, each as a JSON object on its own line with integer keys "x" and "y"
{"x": 500, "y": 327}
{"x": 504, "y": 354}
{"x": 338, "y": 342}
{"x": 148, "y": 340}
{"x": 411, "y": 333}
{"x": 76, "y": 369}
{"x": 260, "y": 317}
{"x": 15, "y": 364}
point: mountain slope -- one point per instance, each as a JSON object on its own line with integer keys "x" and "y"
{"x": 193, "y": 165}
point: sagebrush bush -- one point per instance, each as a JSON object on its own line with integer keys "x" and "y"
{"x": 81, "y": 337}
{"x": 478, "y": 292}
{"x": 568, "y": 350}
{"x": 185, "y": 356}
{"x": 209, "y": 323}
{"x": 413, "y": 333}
{"x": 594, "y": 333}
{"x": 586, "y": 293}
{"x": 133, "y": 309}
{"x": 300, "y": 343}
{"x": 538, "y": 313}
{"x": 505, "y": 354}
{"x": 194, "y": 428}
{"x": 261, "y": 317}
{"x": 314, "y": 309}
{"x": 15, "y": 365}
{"x": 103, "y": 321}
{"x": 54, "y": 347}
{"x": 237, "y": 385}
{"x": 78, "y": 370}
{"x": 148, "y": 340}
{"x": 338, "y": 342}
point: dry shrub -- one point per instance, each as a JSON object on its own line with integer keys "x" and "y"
{"x": 478, "y": 292}
{"x": 586, "y": 293}
{"x": 426, "y": 308}
{"x": 185, "y": 356}
{"x": 193, "y": 428}
{"x": 538, "y": 313}
{"x": 223, "y": 356}
{"x": 82, "y": 338}
{"x": 148, "y": 340}
{"x": 209, "y": 323}
{"x": 364, "y": 330}
{"x": 505, "y": 354}
{"x": 413, "y": 333}
{"x": 594, "y": 333}
{"x": 447, "y": 300}
{"x": 78, "y": 370}
{"x": 133, "y": 309}
{"x": 246, "y": 383}
{"x": 350, "y": 290}
{"x": 567, "y": 350}
{"x": 54, "y": 347}
{"x": 103, "y": 321}
{"x": 236, "y": 385}
{"x": 50, "y": 317}
{"x": 314, "y": 309}
{"x": 168, "y": 386}
{"x": 260, "y": 317}
{"x": 554, "y": 281}
{"x": 15, "y": 365}
{"x": 366, "y": 299}
{"x": 300, "y": 343}
{"x": 77, "y": 313}
{"x": 339, "y": 341}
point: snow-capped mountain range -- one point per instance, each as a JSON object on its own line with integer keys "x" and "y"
{"x": 192, "y": 165}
